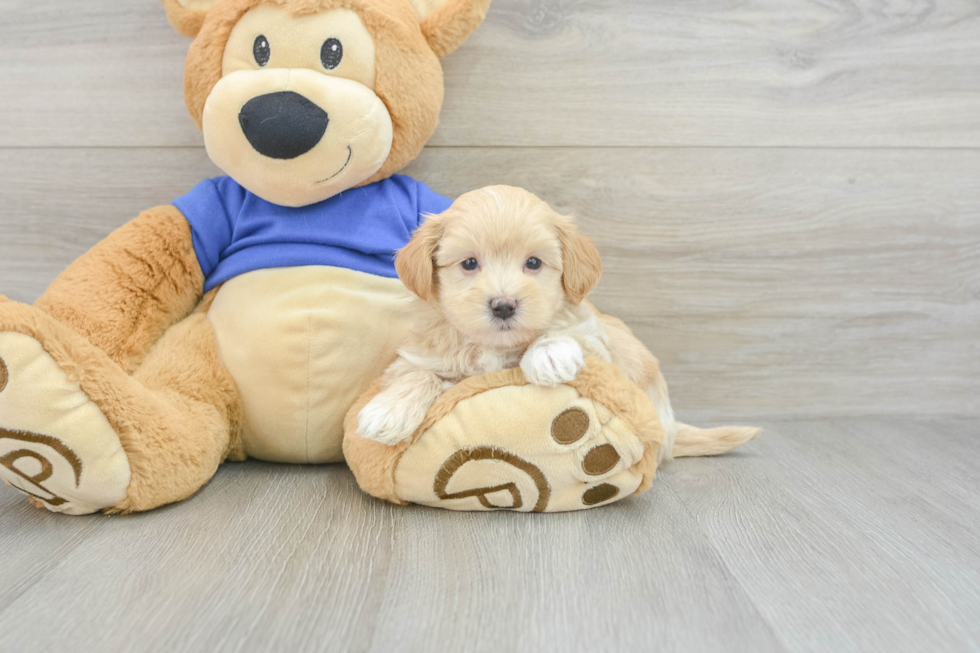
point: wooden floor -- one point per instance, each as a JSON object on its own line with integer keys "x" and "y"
{"x": 826, "y": 535}
{"x": 787, "y": 199}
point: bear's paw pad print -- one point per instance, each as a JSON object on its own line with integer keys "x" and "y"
{"x": 62, "y": 454}
{"x": 489, "y": 495}
{"x": 4, "y": 375}
{"x": 570, "y": 455}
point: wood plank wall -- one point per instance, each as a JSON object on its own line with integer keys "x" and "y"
{"x": 786, "y": 193}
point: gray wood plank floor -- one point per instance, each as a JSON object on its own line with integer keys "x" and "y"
{"x": 824, "y": 535}
{"x": 787, "y": 198}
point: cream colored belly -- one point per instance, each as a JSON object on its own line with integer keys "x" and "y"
{"x": 302, "y": 344}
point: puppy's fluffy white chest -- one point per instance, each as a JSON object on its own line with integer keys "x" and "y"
{"x": 484, "y": 361}
{"x": 463, "y": 362}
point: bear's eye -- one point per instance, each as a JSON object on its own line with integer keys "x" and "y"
{"x": 261, "y": 50}
{"x": 331, "y": 53}
{"x": 470, "y": 264}
{"x": 533, "y": 263}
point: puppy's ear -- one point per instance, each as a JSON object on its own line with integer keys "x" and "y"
{"x": 416, "y": 262}
{"x": 447, "y": 23}
{"x": 581, "y": 262}
{"x": 187, "y": 16}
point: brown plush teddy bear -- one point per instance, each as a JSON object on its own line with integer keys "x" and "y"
{"x": 248, "y": 317}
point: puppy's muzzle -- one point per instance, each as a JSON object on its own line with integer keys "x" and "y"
{"x": 503, "y": 308}
{"x": 283, "y": 125}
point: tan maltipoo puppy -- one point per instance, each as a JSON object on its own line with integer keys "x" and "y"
{"x": 501, "y": 280}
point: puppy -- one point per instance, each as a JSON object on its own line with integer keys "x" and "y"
{"x": 501, "y": 281}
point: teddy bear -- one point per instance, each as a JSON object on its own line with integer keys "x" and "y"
{"x": 254, "y": 313}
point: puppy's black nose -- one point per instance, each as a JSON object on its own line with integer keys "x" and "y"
{"x": 503, "y": 308}
{"x": 282, "y": 125}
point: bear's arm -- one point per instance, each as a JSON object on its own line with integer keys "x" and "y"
{"x": 130, "y": 288}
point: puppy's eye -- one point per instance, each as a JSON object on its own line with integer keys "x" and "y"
{"x": 470, "y": 264}
{"x": 533, "y": 263}
{"x": 261, "y": 50}
{"x": 331, "y": 53}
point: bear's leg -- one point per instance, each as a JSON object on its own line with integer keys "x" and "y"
{"x": 79, "y": 435}
{"x": 201, "y": 417}
{"x": 124, "y": 293}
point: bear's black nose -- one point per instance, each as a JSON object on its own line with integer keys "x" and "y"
{"x": 283, "y": 125}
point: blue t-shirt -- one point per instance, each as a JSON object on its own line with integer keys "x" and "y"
{"x": 361, "y": 229}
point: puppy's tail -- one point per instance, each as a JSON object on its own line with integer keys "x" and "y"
{"x": 692, "y": 441}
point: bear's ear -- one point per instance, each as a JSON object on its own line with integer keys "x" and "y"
{"x": 187, "y": 16}
{"x": 447, "y": 23}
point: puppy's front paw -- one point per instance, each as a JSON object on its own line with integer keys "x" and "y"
{"x": 387, "y": 422}
{"x": 553, "y": 361}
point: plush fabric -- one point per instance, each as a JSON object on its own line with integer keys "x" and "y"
{"x": 348, "y": 131}
{"x": 353, "y": 147}
{"x": 93, "y": 473}
{"x": 176, "y": 418}
{"x": 448, "y": 25}
{"x": 130, "y": 288}
{"x": 495, "y": 442}
{"x": 187, "y": 16}
{"x": 302, "y": 343}
{"x": 236, "y": 232}
{"x": 408, "y": 79}
{"x": 294, "y": 45}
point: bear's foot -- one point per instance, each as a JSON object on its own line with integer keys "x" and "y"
{"x": 497, "y": 443}
{"x": 56, "y": 446}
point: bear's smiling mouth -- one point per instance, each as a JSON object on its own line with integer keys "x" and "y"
{"x": 350, "y": 153}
